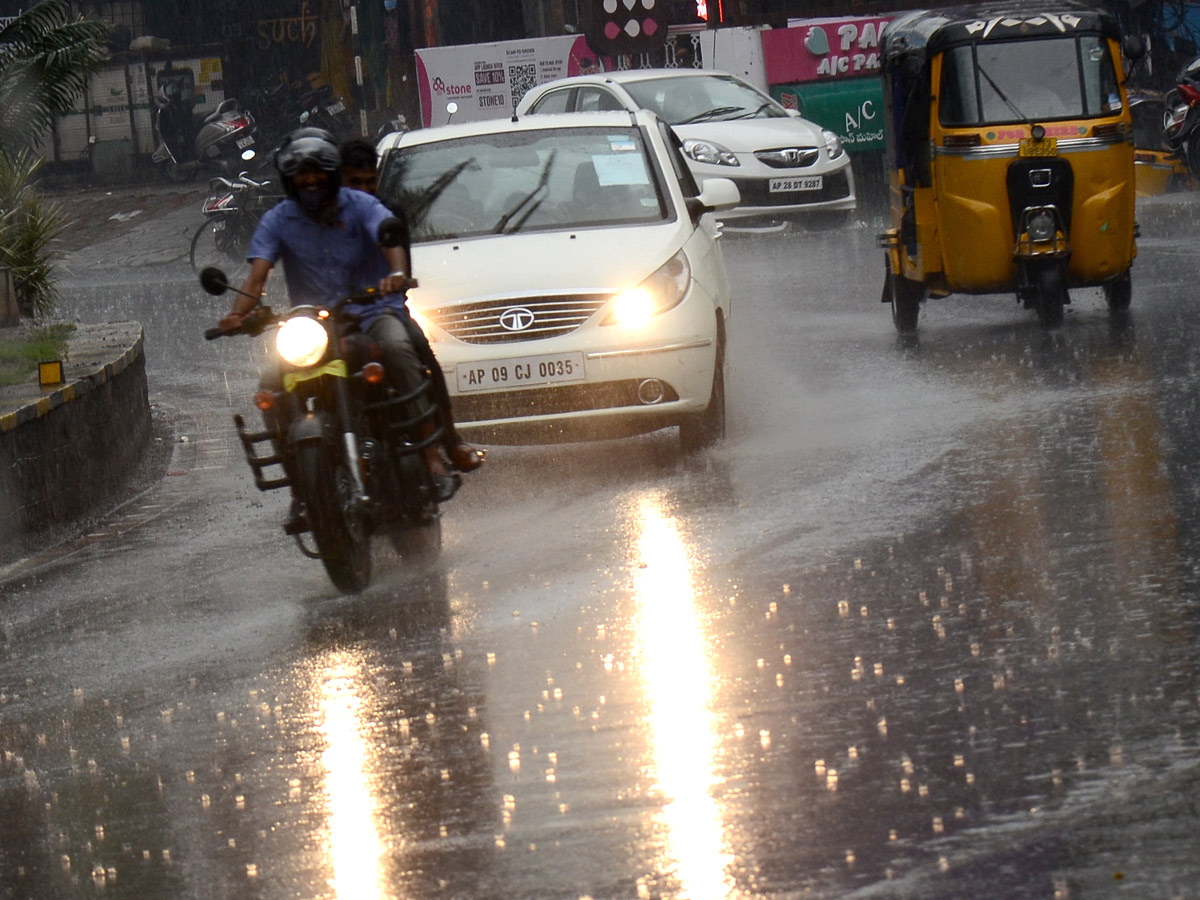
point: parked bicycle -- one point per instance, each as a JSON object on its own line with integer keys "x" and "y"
{"x": 231, "y": 213}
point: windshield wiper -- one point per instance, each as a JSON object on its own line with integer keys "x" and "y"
{"x": 709, "y": 114}
{"x": 754, "y": 114}
{"x": 537, "y": 188}
{"x": 1003, "y": 96}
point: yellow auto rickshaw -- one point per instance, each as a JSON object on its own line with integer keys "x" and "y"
{"x": 1010, "y": 151}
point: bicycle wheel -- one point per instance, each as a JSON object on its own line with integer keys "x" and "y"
{"x": 215, "y": 245}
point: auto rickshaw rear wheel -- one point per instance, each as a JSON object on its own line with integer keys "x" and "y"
{"x": 1119, "y": 292}
{"x": 905, "y": 296}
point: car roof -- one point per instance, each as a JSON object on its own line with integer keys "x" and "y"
{"x": 615, "y": 119}
{"x": 625, "y": 76}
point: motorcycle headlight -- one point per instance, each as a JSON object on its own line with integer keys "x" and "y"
{"x": 302, "y": 341}
{"x": 663, "y": 290}
{"x": 709, "y": 152}
{"x": 833, "y": 144}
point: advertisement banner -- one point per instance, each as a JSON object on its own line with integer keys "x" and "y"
{"x": 487, "y": 81}
{"x": 851, "y": 108}
{"x": 823, "y": 49}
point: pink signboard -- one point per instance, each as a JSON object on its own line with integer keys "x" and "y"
{"x": 823, "y": 49}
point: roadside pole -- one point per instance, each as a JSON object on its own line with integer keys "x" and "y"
{"x": 359, "y": 93}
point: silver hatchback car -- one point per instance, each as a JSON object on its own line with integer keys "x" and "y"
{"x": 783, "y": 165}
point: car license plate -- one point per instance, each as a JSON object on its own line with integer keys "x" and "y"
{"x": 334, "y": 108}
{"x": 808, "y": 183}
{"x": 519, "y": 371}
{"x": 1044, "y": 147}
{"x": 245, "y": 142}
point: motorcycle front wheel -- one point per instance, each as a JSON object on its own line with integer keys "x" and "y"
{"x": 217, "y": 243}
{"x": 323, "y": 484}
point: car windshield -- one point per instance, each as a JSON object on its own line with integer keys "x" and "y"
{"x": 542, "y": 180}
{"x": 1025, "y": 81}
{"x": 702, "y": 98}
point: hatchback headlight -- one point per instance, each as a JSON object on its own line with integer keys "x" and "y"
{"x": 663, "y": 290}
{"x": 302, "y": 341}
{"x": 709, "y": 152}
{"x": 833, "y": 143}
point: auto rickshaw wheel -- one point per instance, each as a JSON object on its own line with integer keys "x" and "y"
{"x": 1052, "y": 295}
{"x": 906, "y": 296}
{"x": 1119, "y": 292}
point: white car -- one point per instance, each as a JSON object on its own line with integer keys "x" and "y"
{"x": 783, "y": 165}
{"x": 571, "y": 280}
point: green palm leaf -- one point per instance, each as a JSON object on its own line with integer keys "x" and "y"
{"x": 46, "y": 57}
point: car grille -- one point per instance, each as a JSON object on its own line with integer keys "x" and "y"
{"x": 549, "y": 401}
{"x": 834, "y": 186}
{"x": 480, "y": 323}
{"x": 788, "y": 157}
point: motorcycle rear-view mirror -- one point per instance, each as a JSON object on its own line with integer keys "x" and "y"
{"x": 390, "y": 233}
{"x": 213, "y": 281}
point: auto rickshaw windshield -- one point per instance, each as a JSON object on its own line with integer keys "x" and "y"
{"x": 996, "y": 82}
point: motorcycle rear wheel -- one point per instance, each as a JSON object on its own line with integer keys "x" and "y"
{"x": 216, "y": 243}
{"x": 323, "y": 484}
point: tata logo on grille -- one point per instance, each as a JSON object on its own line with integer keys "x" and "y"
{"x": 516, "y": 318}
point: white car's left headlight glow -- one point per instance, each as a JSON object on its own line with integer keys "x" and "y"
{"x": 709, "y": 152}
{"x": 302, "y": 341}
{"x": 665, "y": 289}
{"x": 833, "y": 143}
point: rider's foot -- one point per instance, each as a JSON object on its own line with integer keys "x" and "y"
{"x": 466, "y": 458}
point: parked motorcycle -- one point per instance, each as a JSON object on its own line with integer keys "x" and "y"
{"x": 350, "y": 454}
{"x": 231, "y": 213}
{"x": 1182, "y": 115}
{"x": 222, "y": 140}
{"x": 284, "y": 108}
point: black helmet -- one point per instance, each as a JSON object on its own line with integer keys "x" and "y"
{"x": 308, "y": 146}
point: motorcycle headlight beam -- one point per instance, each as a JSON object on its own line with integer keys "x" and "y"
{"x": 302, "y": 341}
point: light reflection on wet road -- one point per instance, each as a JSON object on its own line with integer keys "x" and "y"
{"x": 924, "y": 626}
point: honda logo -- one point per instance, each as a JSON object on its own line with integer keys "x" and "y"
{"x": 516, "y": 318}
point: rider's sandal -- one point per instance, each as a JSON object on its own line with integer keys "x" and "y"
{"x": 466, "y": 458}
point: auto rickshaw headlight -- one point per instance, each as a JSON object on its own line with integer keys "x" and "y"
{"x": 302, "y": 341}
{"x": 709, "y": 152}
{"x": 1041, "y": 227}
{"x": 833, "y": 143}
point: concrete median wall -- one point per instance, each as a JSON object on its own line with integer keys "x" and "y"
{"x": 70, "y": 450}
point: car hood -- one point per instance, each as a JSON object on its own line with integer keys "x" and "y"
{"x": 748, "y": 135}
{"x": 589, "y": 259}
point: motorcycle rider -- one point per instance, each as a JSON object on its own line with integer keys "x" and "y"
{"x": 326, "y": 236}
{"x": 359, "y": 172}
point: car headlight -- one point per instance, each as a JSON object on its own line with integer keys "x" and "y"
{"x": 833, "y": 143}
{"x": 663, "y": 290}
{"x": 708, "y": 152}
{"x": 302, "y": 341}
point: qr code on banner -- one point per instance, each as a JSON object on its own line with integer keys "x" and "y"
{"x": 520, "y": 80}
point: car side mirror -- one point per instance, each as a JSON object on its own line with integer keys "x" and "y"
{"x": 390, "y": 232}
{"x": 715, "y": 194}
{"x": 214, "y": 281}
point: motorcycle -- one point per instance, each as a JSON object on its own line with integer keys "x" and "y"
{"x": 285, "y": 108}
{"x": 222, "y": 140}
{"x": 350, "y": 455}
{"x": 231, "y": 213}
{"x": 1181, "y": 116}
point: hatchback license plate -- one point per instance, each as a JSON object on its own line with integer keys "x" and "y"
{"x": 519, "y": 371}
{"x": 808, "y": 183}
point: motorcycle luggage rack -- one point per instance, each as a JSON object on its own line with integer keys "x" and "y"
{"x": 250, "y": 442}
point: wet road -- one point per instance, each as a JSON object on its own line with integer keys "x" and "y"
{"x": 924, "y": 625}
